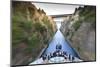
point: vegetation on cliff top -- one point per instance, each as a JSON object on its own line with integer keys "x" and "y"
{"x": 31, "y": 29}
{"x": 79, "y": 29}
{"x": 86, "y": 14}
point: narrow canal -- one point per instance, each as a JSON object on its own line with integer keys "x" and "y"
{"x": 58, "y": 39}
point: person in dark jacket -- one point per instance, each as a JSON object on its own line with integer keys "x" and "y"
{"x": 44, "y": 57}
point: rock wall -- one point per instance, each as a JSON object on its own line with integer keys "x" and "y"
{"x": 80, "y": 30}
{"x": 32, "y": 29}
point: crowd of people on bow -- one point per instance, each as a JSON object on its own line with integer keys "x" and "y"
{"x": 58, "y": 53}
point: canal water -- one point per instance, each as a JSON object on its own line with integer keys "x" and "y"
{"x": 59, "y": 39}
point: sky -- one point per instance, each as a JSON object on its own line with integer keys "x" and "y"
{"x": 55, "y": 9}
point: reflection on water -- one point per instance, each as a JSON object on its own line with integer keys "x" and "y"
{"x": 58, "y": 25}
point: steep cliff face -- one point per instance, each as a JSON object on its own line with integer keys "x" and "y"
{"x": 79, "y": 29}
{"x": 32, "y": 29}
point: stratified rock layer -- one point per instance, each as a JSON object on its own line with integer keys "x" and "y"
{"x": 80, "y": 30}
